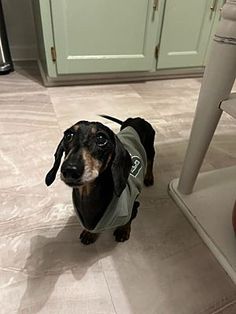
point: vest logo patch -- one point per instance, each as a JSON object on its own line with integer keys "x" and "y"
{"x": 136, "y": 166}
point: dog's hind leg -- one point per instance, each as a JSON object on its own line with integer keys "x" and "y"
{"x": 149, "y": 177}
{"x": 122, "y": 233}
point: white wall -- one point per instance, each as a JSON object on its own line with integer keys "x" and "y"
{"x": 20, "y": 28}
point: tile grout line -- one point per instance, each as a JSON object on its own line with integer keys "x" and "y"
{"x": 55, "y": 112}
{"x": 7, "y": 94}
{"x": 218, "y": 311}
{"x": 108, "y": 287}
{"x": 138, "y": 94}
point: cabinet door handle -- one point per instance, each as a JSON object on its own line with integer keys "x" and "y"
{"x": 155, "y": 5}
{"x": 213, "y": 5}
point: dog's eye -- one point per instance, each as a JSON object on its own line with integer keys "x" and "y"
{"x": 69, "y": 137}
{"x": 101, "y": 140}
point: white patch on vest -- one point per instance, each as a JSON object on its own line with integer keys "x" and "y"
{"x": 136, "y": 166}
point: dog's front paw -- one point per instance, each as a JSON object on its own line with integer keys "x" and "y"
{"x": 87, "y": 237}
{"x": 122, "y": 233}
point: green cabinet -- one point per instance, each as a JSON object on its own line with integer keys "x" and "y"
{"x": 186, "y": 32}
{"x": 115, "y": 39}
{"x": 104, "y": 35}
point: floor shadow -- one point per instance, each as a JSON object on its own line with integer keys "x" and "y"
{"x": 50, "y": 257}
{"x": 30, "y": 70}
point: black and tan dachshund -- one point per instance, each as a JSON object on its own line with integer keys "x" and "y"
{"x": 106, "y": 172}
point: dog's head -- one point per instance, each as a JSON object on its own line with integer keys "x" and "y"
{"x": 90, "y": 148}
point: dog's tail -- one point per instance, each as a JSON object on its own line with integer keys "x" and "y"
{"x": 111, "y": 118}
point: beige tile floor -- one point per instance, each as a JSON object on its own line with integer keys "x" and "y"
{"x": 163, "y": 269}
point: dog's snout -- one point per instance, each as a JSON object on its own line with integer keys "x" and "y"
{"x": 71, "y": 171}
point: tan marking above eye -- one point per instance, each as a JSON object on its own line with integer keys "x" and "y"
{"x": 76, "y": 127}
{"x": 93, "y": 130}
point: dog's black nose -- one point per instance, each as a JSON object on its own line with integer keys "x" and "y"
{"x": 70, "y": 171}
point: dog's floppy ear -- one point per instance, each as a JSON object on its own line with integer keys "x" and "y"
{"x": 50, "y": 177}
{"x": 120, "y": 167}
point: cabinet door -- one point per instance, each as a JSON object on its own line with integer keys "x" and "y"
{"x": 104, "y": 35}
{"x": 186, "y": 32}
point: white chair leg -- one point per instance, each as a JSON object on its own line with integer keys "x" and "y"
{"x": 216, "y": 86}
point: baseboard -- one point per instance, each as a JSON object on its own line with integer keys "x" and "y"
{"x": 24, "y": 53}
